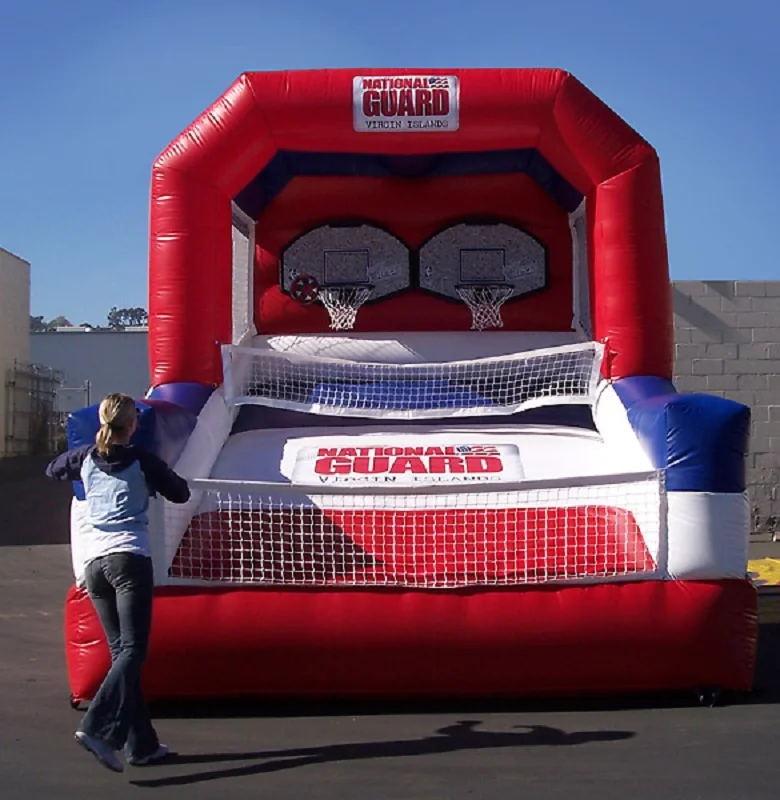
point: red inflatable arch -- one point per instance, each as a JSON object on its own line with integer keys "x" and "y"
{"x": 600, "y": 560}
{"x": 528, "y": 147}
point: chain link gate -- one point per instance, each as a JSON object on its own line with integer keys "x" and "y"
{"x": 34, "y": 426}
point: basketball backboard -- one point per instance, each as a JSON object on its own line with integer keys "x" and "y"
{"x": 470, "y": 254}
{"x": 332, "y": 256}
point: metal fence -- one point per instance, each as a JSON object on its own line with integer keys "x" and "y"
{"x": 34, "y": 424}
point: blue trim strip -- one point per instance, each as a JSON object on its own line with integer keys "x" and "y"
{"x": 701, "y": 440}
{"x": 288, "y": 164}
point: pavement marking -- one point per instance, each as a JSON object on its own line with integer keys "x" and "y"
{"x": 25, "y": 614}
{"x": 765, "y": 571}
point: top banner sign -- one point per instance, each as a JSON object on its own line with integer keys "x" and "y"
{"x": 406, "y": 104}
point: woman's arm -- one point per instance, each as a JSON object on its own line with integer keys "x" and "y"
{"x": 162, "y": 479}
{"x": 67, "y": 466}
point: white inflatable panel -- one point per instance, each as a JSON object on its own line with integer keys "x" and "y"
{"x": 707, "y": 535}
{"x": 168, "y": 522}
{"x": 611, "y": 418}
{"x": 543, "y": 451}
{"x": 79, "y": 528}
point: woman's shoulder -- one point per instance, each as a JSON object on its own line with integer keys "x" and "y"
{"x": 66, "y": 465}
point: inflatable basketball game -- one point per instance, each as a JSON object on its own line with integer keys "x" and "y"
{"x": 411, "y": 343}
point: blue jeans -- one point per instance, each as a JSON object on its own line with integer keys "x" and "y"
{"x": 121, "y": 588}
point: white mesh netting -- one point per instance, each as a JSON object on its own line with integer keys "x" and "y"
{"x": 343, "y": 304}
{"x": 599, "y": 529}
{"x": 483, "y": 386}
{"x": 243, "y": 272}
{"x": 484, "y": 302}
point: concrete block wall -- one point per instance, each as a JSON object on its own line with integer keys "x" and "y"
{"x": 727, "y": 343}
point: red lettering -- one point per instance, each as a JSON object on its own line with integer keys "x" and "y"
{"x": 393, "y": 451}
{"x": 333, "y": 466}
{"x": 371, "y": 466}
{"x": 483, "y": 464}
{"x": 433, "y": 451}
{"x": 403, "y": 97}
{"x": 327, "y": 451}
{"x": 347, "y": 451}
{"x": 406, "y": 103}
{"x": 371, "y": 103}
{"x": 414, "y": 465}
{"x": 446, "y": 464}
{"x": 441, "y": 102}
{"x": 424, "y": 103}
{"x": 389, "y": 104}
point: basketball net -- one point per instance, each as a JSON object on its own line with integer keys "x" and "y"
{"x": 485, "y": 301}
{"x": 343, "y": 303}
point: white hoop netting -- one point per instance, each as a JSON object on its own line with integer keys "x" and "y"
{"x": 484, "y": 302}
{"x": 343, "y": 303}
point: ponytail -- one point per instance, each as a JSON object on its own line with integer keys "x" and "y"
{"x": 117, "y": 416}
{"x": 104, "y": 439}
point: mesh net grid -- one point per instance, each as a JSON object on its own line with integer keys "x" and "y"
{"x": 484, "y": 302}
{"x": 477, "y": 387}
{"x": 256, "y": 535}
{"x": 343, "y": 304}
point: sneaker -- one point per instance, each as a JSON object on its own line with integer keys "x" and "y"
{"x": 158, "y": 755}
{"x": 101, "y": 750}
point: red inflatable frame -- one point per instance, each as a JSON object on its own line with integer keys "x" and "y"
{"x": 271, "y": 131}
{"x": 555, "y": 640}
{"x": 282, "y": 147}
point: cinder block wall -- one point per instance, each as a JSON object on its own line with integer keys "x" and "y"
{"x": 727, "y": 337}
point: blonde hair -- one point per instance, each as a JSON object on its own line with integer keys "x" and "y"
{"x": 116, "y": 413}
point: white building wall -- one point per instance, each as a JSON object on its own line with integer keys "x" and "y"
{"x": 14, "y": 327}
{"x": 112, "y": 361}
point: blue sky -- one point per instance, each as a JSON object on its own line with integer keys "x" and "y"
{"x": 92, "y": 90}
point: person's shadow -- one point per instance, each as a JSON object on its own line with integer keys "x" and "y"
{"x": 463, "y": 735}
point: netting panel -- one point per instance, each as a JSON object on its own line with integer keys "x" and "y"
{"x": 581, "y": 279}
{"x": 243, "y": 234}
{"x": 594, "y": 531}
{"x": 478, "y": 387}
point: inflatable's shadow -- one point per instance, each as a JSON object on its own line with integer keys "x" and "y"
{"x": 464, "y": 735}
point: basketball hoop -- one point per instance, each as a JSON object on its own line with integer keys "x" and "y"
{"x": 484, "y": 301}
{"x": 343, "y": 303}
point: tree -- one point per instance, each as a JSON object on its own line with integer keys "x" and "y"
{"x": 39, "y": 325}
{"x": 120, "y": 318}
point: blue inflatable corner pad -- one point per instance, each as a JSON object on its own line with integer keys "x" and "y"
{"x": 190, "y": 396}
{"x": 701, "y": 440}
{"x": 163, "y": 426}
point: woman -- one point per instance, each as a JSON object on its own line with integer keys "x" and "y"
{"x": 118, "y": 480}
